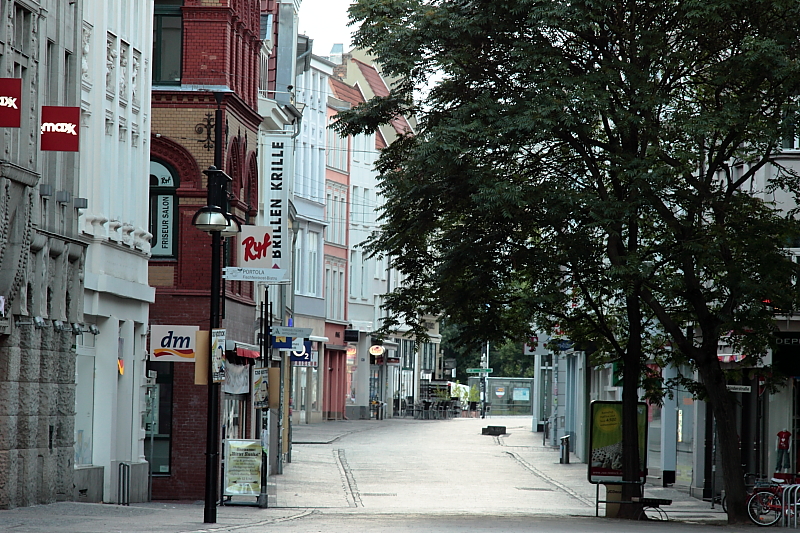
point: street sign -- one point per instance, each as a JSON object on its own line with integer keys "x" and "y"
{"x": 739, "y": 388}
{"x": 269, "y": 275}
{"x": 287, "y": 331}
{"x": 480, "y": 370}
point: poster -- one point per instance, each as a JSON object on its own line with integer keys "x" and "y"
{"x": 605, "y": 441}
{"x": 242, "y": 467}
{"x": 218, "y": 355}
{"x": 261, "y": 388}
{"x": 522, "y": 394}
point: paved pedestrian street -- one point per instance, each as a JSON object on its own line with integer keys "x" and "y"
{"x": 396, "y": 475}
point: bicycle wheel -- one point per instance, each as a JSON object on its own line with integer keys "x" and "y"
{"x": 764, "y": 508}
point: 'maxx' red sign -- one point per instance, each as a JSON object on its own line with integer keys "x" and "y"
{"x": 10, "y": 102}
{"x": 60, "y": 128}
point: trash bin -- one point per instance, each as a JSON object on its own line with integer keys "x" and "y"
{"x": 613, "y": 494}
{"x": 564, "y": 450}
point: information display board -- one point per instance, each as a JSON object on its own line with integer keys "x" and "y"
{"x": 605, "y": 441}
{"x": 242, "y": 467}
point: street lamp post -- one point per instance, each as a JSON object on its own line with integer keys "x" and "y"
{"x": 215, "y": 220}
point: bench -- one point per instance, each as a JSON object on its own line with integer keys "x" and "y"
{"x": 651, "y": 508}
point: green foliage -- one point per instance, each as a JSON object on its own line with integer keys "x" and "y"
{"x": 608, "y": 167}
{"x": 474, "y": 394}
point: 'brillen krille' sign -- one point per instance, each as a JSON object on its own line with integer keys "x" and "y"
{"x": 10, "y": 102}
{"x": 60, "y": 128}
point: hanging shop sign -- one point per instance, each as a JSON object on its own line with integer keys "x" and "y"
{"x": 10, "y": 102}
{"x": 60, "y": 128}
{"x": 255, "y": 247}
{"x": 305, "y": 356}
{"x": 173, "y": 343}
{"x": 278, "y": 159}
{"x": 376, "y": 350}
{"x": 242, "y": 467}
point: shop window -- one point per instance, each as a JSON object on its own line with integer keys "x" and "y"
{"x": 163, "y": 210}
{"x": 158, "y": 429}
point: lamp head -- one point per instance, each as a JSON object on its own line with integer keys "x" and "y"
{"x": 210, "y": 218}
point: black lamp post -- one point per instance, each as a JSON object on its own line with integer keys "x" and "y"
{"x": 215, "y": 220}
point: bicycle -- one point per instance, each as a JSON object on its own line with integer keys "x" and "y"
{"x": 765, "y": 504}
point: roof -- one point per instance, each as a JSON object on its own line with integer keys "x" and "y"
{"x": 345, "y": 92}
{"x": 379, "y": 88}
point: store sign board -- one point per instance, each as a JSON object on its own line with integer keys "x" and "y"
{"x": 10, "y": 102}
{"x": 60, "y": 128}
{"x": 173, "y": 343}
{"x": 255, "y": 247}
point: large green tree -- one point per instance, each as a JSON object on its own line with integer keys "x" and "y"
{"x": 586, "y": 162}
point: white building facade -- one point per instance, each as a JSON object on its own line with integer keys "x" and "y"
{"x": 112, "y": 406}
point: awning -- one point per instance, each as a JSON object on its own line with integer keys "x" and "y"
{"x": 242, "y": 349}
{"x": 244, "y": 352}
{"x": 314, "y": 338}
{"x": 731, "y": 358}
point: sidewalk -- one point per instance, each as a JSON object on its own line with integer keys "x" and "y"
{"x": 389, "y": 468}
{"x": 520, "y": 443}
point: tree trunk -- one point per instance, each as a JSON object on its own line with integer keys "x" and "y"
{"x": 728, "y": 441}
{"x": 632, "y": 360}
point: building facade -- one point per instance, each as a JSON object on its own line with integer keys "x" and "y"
{"x": 42, "y": 254}
{"x": 205, "y": 65}
{"x": 115, "y": 59}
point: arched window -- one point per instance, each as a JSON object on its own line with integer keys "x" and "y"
{"x": 163, "y": 210}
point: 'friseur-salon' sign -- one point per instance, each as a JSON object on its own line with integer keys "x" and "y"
{"x": 60, "y": 128}
{"x": 10, "y": 102}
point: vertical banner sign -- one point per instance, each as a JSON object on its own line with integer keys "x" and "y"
{"x": 605, "y": 441}
{"x": 60, "y": 128}
{"x": 242, "y": 468}
{"x": 218, "y": 355}
{"x": 173, "y": 343}
{"x": 278, "y": 152}
{"x": 255, "y": 247}
{"x": 10, "y": 102}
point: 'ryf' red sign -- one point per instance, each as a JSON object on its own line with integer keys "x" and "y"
{"x": 60, "y": 128}
{"x": 10, "y": 102}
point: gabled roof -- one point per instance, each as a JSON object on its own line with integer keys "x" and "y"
{"x": 345, "y": 92}
{"x": 379, "y": 88}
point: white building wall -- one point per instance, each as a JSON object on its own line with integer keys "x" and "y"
{"x": 114, "y": 178}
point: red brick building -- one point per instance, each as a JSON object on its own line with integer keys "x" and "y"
{"x": 200, "y": 48}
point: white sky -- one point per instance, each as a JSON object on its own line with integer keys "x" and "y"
{"x": 325, "y": 21}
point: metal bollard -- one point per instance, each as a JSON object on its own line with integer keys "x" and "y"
{"x": 124, "y": 484}
{"x": 564, "y": 450}
{"x": 789, "y": 502}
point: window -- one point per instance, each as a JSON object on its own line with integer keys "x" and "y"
{"x": 158, "y": 417}
{"x": 167, "y": 42}
{"x": 163, "y": 210}
{"x": 428, "y": 356}
{"x": 298, "y": 263}
{"x": 313, "y": 266}
{"x": 336, "y": 156}
{"x": 353, "y": 283}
